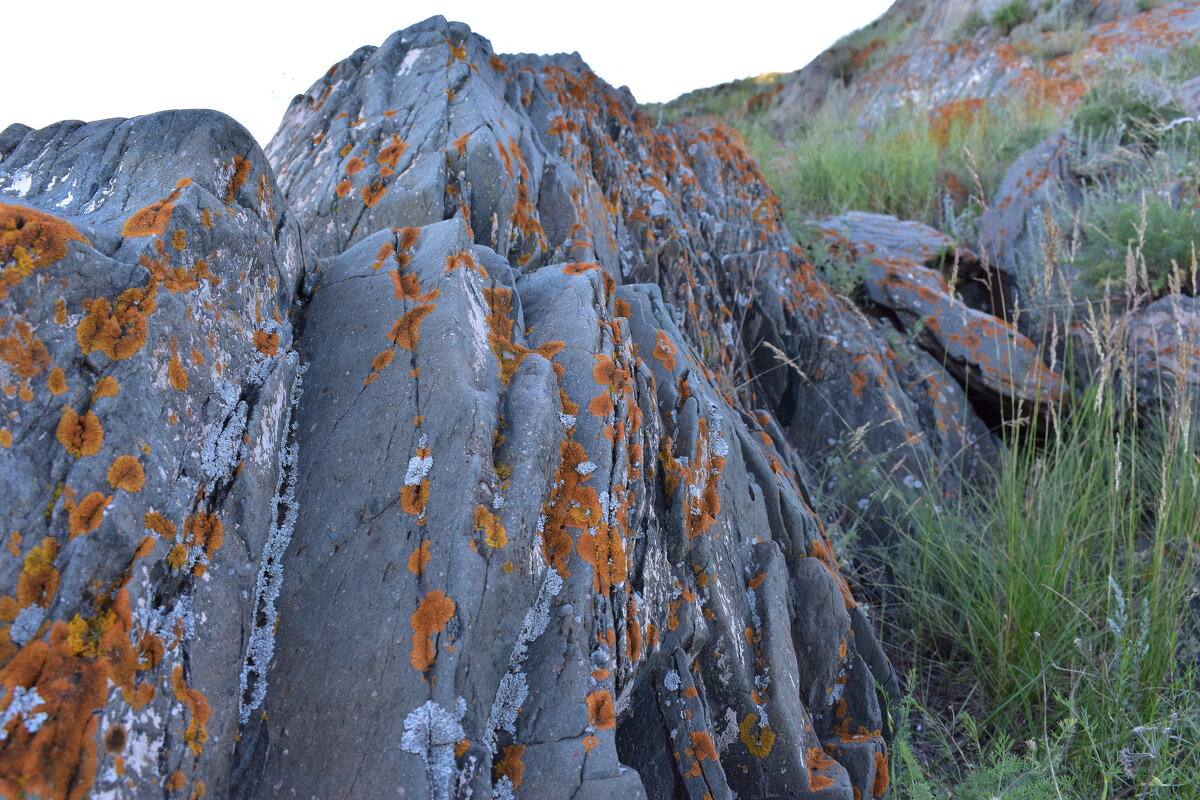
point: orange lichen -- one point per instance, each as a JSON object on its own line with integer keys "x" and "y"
{"x": 176, "y": 782}
{"x": 433, "y": 613}
{"x": 601, "y": 406}
{"x": 6, "y": 437}
{"x": 508, "y": 353}
{"x": 382, "y": 360}
{"x": 702, "y": 748}
{"x": 512, "y": 765}
{"x": 198, "y": 709}
{"x": 664, "y": 351}
{"x": 241, "y": 171}
{"x": 117, "y": 331}
{"x": 818, "y": 761}
{"x": 343, "y": 188}
{"x": 354, "y": 165}
{"x": 176, "y": 374}
{"x": 487, "y": 524}
{"x": 389, "y": 154}
{"x": 879, "y": 786}
{"x": 460, "y": 144}
{"x": 156, "y": 522}
{"x": 371, "y": 194}
{"x": 600, "y": 546}
{"x": 179, "y": 239}
{"x": 406, "y": 330}
{"x": 106, "y": 387}
{"x": 126, "y": 473}
{"x": 600, "y": 710}
{"x": 414, "y": 497}
{"x": 497, "y": 64}
{"x": 57, "y": 382}
{"x": 408, "y": 287}
{"x": 24, "y": 352}
{"x": 30, "y": 240}
{"x": 80, "y": 435}
{"x": 408, "y": 237}
{"x": 87, "y": 514}
{"x": 266, "y": 343}
{"x": 758, "y": 741}
{"x": 419, "y": 558}
{"x": 633, "y": 631}
{"x": 204, "y": 529}
{"x": 153, "y": 219}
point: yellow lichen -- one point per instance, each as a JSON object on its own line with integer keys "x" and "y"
{"x": 758, "y": 741}
{"x": 487, "y": 524}
{"x": 30, "y": 240}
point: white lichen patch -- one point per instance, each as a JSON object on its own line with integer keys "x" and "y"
{"x": 431, "y": 732}
{"x": 513, "y": 688}
{"x": 261, "y": 647}
{"x": 24, "y": 701}
{"x": 418, "y": 467}
{"x": 25, "y": 626}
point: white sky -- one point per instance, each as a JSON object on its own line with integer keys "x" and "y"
{"x": 92, "y": 59}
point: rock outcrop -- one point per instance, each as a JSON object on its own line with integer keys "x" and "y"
{"x": 541, "y": 521}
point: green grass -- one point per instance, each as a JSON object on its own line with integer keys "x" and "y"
{"x": 904, "y": 166}
{"x": 1053, "y": 608}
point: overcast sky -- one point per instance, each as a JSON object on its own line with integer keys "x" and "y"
{"x": 91, "y": 60}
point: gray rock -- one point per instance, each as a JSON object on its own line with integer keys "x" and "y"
{"x": 148, "y": 271}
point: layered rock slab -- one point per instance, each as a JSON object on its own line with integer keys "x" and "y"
{"x": 631, "y": 550}
{"x": 147, "y": 272}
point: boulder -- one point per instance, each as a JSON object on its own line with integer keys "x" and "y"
{"x": 148, "y": 273}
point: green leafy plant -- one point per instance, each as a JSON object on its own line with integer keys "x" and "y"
{"x": 1140, "y": 240}
{"x": 1010, "y": 15}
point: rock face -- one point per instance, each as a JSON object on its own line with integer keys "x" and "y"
{"x": 149, "y": 272}
{"x": 541, "y": 522}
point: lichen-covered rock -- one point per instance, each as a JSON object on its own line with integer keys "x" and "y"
{"x": 989, "y": 357}
{"x": 544, "y": 546}
{"x": 1013, "y": 231}
{"x": 552, "y": 559}
{"x": 546, "y": 163}
{"x": 147, "y": 274}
